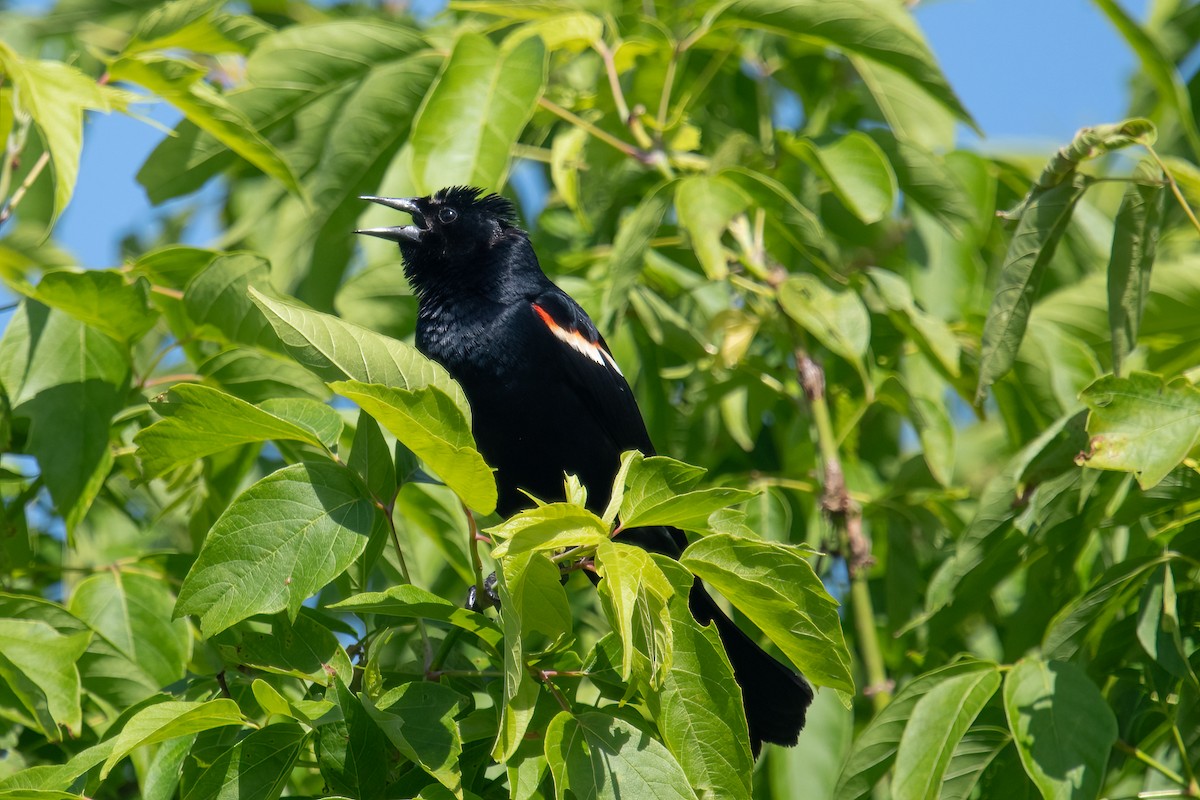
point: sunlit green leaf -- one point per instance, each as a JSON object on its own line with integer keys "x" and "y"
{"x": 1141, "y": 424}
{"x": 1135, "y": 240}
{"x": 181, "y": 84}
{"x": 599, "y": 756}
{"x": 935, "y": 728}
{"x": 428, "y": 423}
{"x": 1062, "y": 727}
{"x": 1042, "y": 224}
{"x": 278, "y": 543}
{"x": 200, "y": 421}
{"x": 474, "y": 113}
{"x": 168, "y": 720}
{"x": 775, "y": 586}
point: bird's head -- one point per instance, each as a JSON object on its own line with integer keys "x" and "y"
{"x": 454, "y": 235}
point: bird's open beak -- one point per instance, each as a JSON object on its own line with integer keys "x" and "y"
{"x": 400, "y": 233}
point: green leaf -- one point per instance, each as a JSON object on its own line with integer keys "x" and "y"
{"x": 928, "y": 181}
{"x": 191, "y": 25}
{"x": 380, "y": 299}
{"x": 1159, "y": 68}
{"x": 254, "y": 376}
{"x": 1084, "y": 617}
{"x": 181, "y": 83}
{"x": 372, "y": 459}
{"x": 427, "y": 422}
{"x": 916, "y": 116}
{"x": 1158, "y": 629}
{"x": 39, "y": 665}
{"x": 418, "y": 719}
{"x": 321, "y": 421}
{"x": 629, "y": 253}
{"x": 978, "y": 748}
{"x": 353, "y": 753}
{"x": 350, "y": 149}
{"x": 1062, "y": 726}
{"x": 698, "y": 708}
{"x": 571, "y": 31}
{"x": 56, "y": 368}
{"x": 638, "y": 593}
{"x": 933, "y": 733}
{"x": 856, "y": 170}
{"x": 1042, "y": 224}
{"x": 566, "y": 156}
{"x": 256, "y": 768}
{"x": 216, "y": 300}
{"x": 337, "y": 350}
{"x": 288, "y": 76}
{"x": 44, "y": 776}
{"x": 280, "y": 542}
{"x": 413, "y": 602}
{"x": 1141, "y": 424}
{"x": 101, "y": 299}
{"x": 1087, "y": 144}
{"x": 838, "y": 319}
{"x": 928, "y": 332}
{"x": 597, "y": 756}
{"x": 875, "y": 748}
{"x": 201, "y": 421}
{"x": 1135, "y": 239}
{"x": 168, "y": 720}
{"x": 550, "y": 527}
{"x": 300, "y": 648}
{"x": 132, "y": 610}
{"x": 706, "y": 205}
{"x": 272, "y": 702}
{"x": 776, "y": 588}
{"x": 475, "y": 112}
{"x": 55, "y": 95}
{"x": 873, "y": 29}
{"x": 658, "y": 491}
{"x": 527, "y": 583}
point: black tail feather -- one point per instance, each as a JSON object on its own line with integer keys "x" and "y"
{"x": 775, "y": 698}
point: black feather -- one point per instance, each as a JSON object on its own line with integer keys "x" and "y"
{"x": 547, "y": 398}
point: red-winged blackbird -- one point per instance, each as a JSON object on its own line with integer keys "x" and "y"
{"x": 547, "y": 398}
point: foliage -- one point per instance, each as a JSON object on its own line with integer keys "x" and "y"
{"x": 240, "y": 515}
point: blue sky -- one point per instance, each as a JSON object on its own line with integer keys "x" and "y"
{"x": 1032, "y": 72}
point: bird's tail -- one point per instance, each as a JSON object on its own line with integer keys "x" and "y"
{"x": 775, "y": 697}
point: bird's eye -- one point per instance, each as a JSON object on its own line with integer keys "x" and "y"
{"x": 447, "y": 215}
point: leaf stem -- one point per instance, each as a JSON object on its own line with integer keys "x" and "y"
{"x": 602, "y": 135}
{"x": 19, "y": 194}
{"x": 426, "y": 644}
{"x": 1151, "y": 762}
{"x": 544, "y": 678}
{"x": 846, "y": 517}
{"x": 1183, "y": 203}
{"x": 481, "y": 597}
{"x": 614, "y": 80}
{"x": 664, "y": 100}
{"x": 1192, "y": 786}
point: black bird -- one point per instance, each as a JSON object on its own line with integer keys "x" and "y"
{"x": 547, "y": 397}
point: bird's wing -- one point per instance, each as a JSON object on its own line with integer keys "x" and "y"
{"x": 590, "y": 370}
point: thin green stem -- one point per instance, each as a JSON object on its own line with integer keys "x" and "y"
{"x": 426, "y": 644}
{"x": 664, "y": 100}
{"x": 476, "y": 561}
{"x": 614, "y": 80}
{"x": 19, "y": 194}
{"x": 1192, "y": 785}
{"x": 1183, "y": 203}
{"x": 602, "y": 135}
{"x": 1151, "y": 761}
